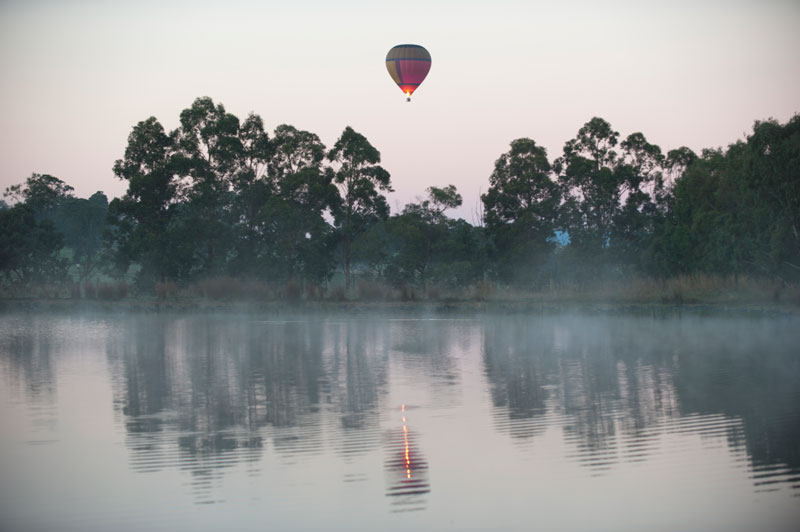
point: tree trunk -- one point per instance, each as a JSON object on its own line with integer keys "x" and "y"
{"x": 347, "y": 236}
{"x": 347, "y": 264}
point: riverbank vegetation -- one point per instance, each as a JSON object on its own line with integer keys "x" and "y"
{"x": 219, "y": 209}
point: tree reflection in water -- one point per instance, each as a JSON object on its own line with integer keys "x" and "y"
{"x": 27, "y": 354}
{"x": 219, "y": 390}
{"x": 203, "y": 394}
{"x": 614, "y": 384}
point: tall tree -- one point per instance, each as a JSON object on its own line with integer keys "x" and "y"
{"x": 774, "y": 172}
{"x": 141, "y": 223}
{"x": 521, "y": 210}
{"x": 82, "y": 222}
{"x": 41, "y": 192}
{"x": 29, "y": 248}
{"x": 613, "y": 200}
{"x": 360, "y": 179}
{"x": 642, "y": 198}
{"x": 253, "y": 187}
{"x": 30, "y": 245}
{"x": 210, "y": 153}
{"x": 293, "y": 236}
{"x": 736, "y": 211}
{"x": 590, "y": 185}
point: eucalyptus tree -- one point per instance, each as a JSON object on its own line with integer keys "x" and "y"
{"x": 29, "y": 248}
{"x": 209, "y": 156}
{"x": 294, "y": 238}
{"x": 30, "y": 245}
{"x": 774, "y": 179}
{"x": 82, "y": 222}
{"x": 360, "y": 178}
{"x": 521, "y": 211}
{"x": 591, "y": 185}
{"x": 41, "y": 192}
{"x": 422, "y": 236}
{"x": 614, "y": 198}
{"x": 142, "y": 223}
{"x": 642, "y": 199}
{"x": 294, "y": 150}
{"x": 676, "y": 163}
{"x": 374, "y": 248}
{"x": 252, "y": 187}
{"x": 738, "y": 210}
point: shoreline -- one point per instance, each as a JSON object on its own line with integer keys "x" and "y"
{"x": 382, "y": 308}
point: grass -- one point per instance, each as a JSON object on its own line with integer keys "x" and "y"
{"x": 683, "y": 290}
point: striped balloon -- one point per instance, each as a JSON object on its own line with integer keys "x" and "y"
{"x": 408, "y": 64}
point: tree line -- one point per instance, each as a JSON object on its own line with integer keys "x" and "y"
{"x": 221, "y": 197}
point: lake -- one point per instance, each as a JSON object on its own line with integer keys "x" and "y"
{"x": 359, "y": 422}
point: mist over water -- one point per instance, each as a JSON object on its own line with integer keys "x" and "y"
{"x": 568, "y": 422}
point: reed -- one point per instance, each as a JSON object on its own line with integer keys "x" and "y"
{"x": 111, "y": 291}
{"x": 314, "y": 292}
{"x": 684, "y": 289}
{"x": 166, "y": 290}
{"x": 337, "y": 293}
{"x": 292, "y": 291}
{"x": 372, "y": 290}
{"x": 90, "y": 290}
{"x": 406, "y": 292}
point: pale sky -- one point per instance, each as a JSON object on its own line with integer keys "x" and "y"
{"x": 76, "y": 76}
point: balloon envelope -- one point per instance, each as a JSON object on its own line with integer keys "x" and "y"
{"x": 408, "y": 64}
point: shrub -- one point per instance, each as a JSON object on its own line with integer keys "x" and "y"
{"x": 105, "y": 291}
{"x": 258, "y": 290}
{"x": 218, "y": 288}
{"x": 292, "y": 290}
{"x": 121, "y": 289}
{"x": 337, "y": 293}
{"x": 434, "y": 292}
{"x": 407, "y": 293}
{"x": 167, "y": 289}
{"x": 313, "y": 291}
{"x": 371, "y": 290}
{"x": 483, "y": 290}
{"x": 90, "y": 290}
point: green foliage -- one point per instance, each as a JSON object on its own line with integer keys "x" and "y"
{"x": 209, "y": 155}
{"x": 428, "y": 247}
{"x": 613, "y": 199}
{"x": 41, "y": 192}
{"x": 218, "y": 197}
{"x": 281, "y": 226}
{"x": 82, "y": 222}
{"x": 738, "y": 211}
{"x": 219, "y": 203}
{"x": 360, "y": 179}
{"x": 46, "y": 217}
{"x": 374, "y": 248}
{"x": 29, "y": 249}
{"x": 521, "y": 211}
{"x": 143, "y": 225}
{"x": 591, "y": 185}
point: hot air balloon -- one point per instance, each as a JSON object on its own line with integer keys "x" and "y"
{"x": 408, "y": 64}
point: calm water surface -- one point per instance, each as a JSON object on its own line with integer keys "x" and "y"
{"x": 560, "y": 422}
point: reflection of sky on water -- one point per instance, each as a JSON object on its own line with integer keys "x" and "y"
{"x": 580, "y": 419}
